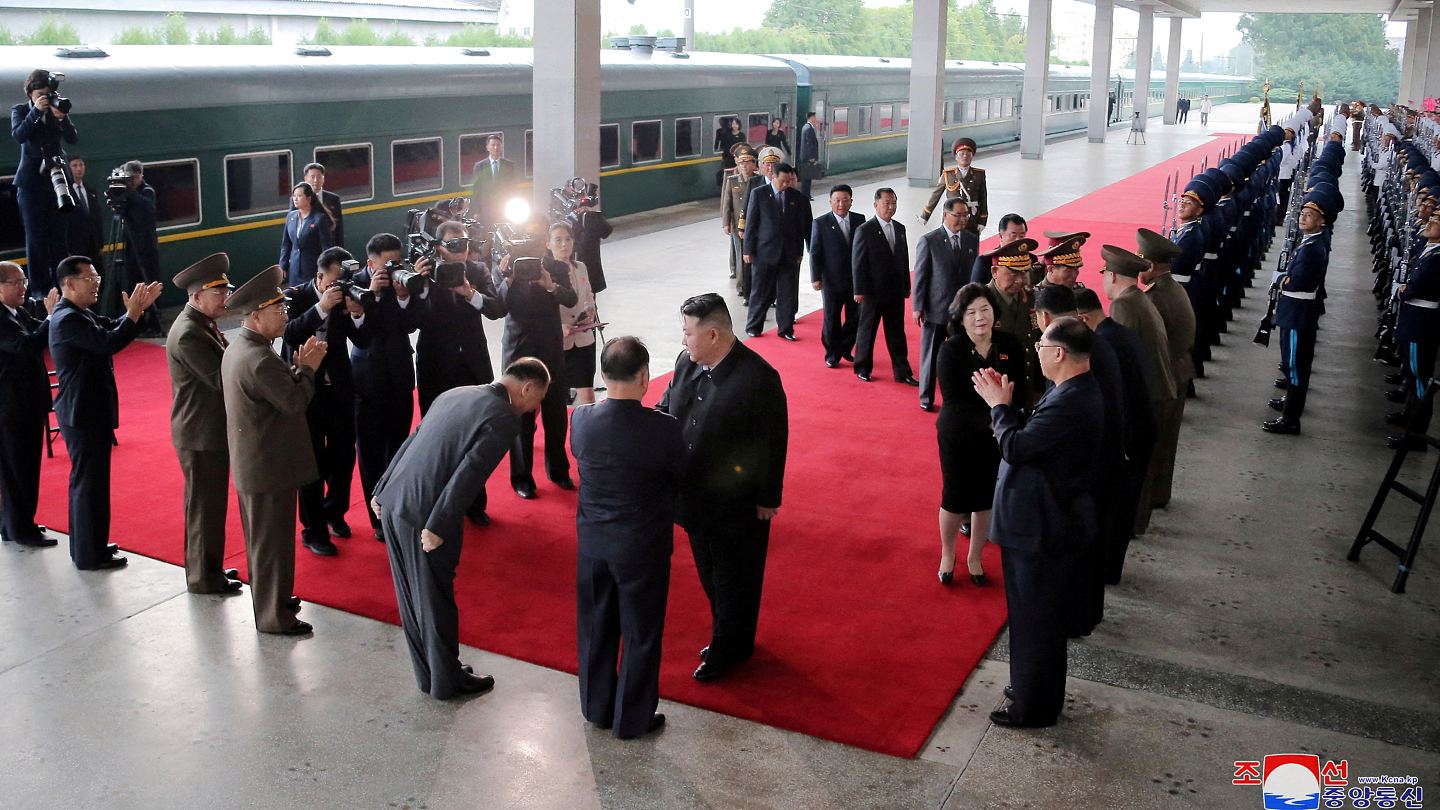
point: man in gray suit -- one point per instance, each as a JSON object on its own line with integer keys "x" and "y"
{"x": 943, "y": 259}
{"x": 421, "y": 501}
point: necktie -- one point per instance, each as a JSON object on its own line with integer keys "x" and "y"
{"x": 955, "y": 242}
{"x": 494, "y": 168}
{"x": 80, "y": 198}
{"x": 844, "y": 227}
{"x": 889, "y": 234}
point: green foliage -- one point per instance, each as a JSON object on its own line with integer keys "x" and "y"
{"x": 173, "y": 31}
{"x": 135, "y": 35}
{"x": 53, "y": 30}
{"x": 360, "y": 32}
{"x": 226, "y": 35}
{"x": 7, "y": 38}
{"x": 1345, "y": 55}
{"x": 472, "y": 35}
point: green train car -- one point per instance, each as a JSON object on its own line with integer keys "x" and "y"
{"x": 224, "y": 132}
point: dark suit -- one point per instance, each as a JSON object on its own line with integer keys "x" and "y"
{"x": 142, "y": 244}
{"x": 85, "y": 228}
{"x": 335, "y": 206}
{"x": 1139, "y": 432}
{"x": 736, "y": 428}
{"x": 384, "y": 373}
{"x": 1042, "y": 517}
{"x": 776, "y": 231}
{"x": 630, "y": 459}
{"x": 82, "y": 344}
{"x": 24, "y": 403}
{"x": 489, "y": 187}
{"x": 331, "y": 413}
{"x": 594, "y": 228}
{"x": 452, "y": 349}
{"x": 809, "y": 155}
{"x": 942, "y": 266}
{"x": 429, "y": 485}
{"x": 532, "y": 329}
{"x": 830, "y": 265}
{"x": 40, "y": 136}
{"x": 301, "y": 244}
{"x": 881, "y": 274}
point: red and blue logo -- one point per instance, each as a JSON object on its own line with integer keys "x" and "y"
{"x": 1291, "y": 782}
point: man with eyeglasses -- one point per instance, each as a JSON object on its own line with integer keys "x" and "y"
{"x": 269, "y": 442}
{"x": 82, "y": 345}
{"x": 24, "y": 403}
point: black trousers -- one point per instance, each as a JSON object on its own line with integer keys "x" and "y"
{"x": 44, "y": 237}
{"x": 777, "y": 284}
{"x": 1126, "y": 506}
{"x": 331, "y": 417}
{"x": 1297, "y": 352}
{"x": 555, "y": 417}
{"x": 932, "y": 337}
{"x": 1419, "y": 359}
{"x": 730, "y": 551}
{"x": 615, "y": 602}
{"x": 382, "y": 423}
{"x": 872, "y": 313}
{"x": 89, "y": 449}
{"x": 739, "y": 268}
{"x": 837, "y": 330}
{"x": 1037, "y": 588}
{"x": 21, "y": 441}
{"x": 425, "y": 591}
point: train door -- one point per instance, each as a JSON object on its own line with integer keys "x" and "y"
{"x": 819, "y": 103}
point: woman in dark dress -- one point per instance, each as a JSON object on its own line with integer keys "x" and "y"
{"x": 969, "y": 456}
{"x": 777, "y": 137}
{"x": 727, "y": 136}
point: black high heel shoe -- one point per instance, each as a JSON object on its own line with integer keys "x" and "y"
{"x": 947, "y": 577}
{"x": 979, "y": 579}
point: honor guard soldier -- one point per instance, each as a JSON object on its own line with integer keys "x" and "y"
{"x": 1189, "y": 267}
{"x": 1173, "y": 305}
{"x": 737, "y": 188}
{"x": 194, "y": 349}
{"x": 1417, "y": 330}
{"x": 966, "y": 182}
{"x": 1062, "y": 261}
{"x": 1297, "y": 309}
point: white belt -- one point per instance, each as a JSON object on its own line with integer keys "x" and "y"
{"x": 1212, "y": 256}
{"x": 1233, "y": 227}
{"x": 1423, "y": 304}
{"x": 1247, "y": 213}
{"x": 1180, "y": 278}
{"x": 1303, "y": 296}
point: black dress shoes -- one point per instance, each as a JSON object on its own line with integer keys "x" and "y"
{"x": 479, "y": 518}
{"x": 1002, "y": 717}
{"x": 526, "y": 490}
{"x": 849, "y": 358}
{"x": 1395, "y": 395}
{"x": 790, "y": 337}
{"x": 1009, "y": 691}
{"x": 965, "y": 528}
{"x": 1413, "y": 443}
{"x": 299, "y": 628}
{"x": 704, "y": 652}
{"x": 711, "y": 671}
{"x": 321, "y": 547}
{"x": 979, "y": 580}
{"x": 230, "y": 586}
{"x": 832, "y": 363}
{"x": 339, "y": 528}
{"x": 38, "y": 541}
{"x": 111, "y": 548}
{"x": 110, "y": 562}
{"x": 471, "y": 684}
{"x": 564, "y": 483}
{"x": 862, "y": 377}
{"x": 1282, "y": 383}
{"x": 910, "y": 381}
{"x": 656, "y": 723}
{"x": 748, "y": 333}
{"x": 1277, "y": 404}
{"x": 1394, "y": 379}
{"x": 231, "y": 573}
{"x": 379, "y": 531}
{"x": 294, "y": 603}
{"x": 926, "y": 407}
{"x": 1395, "y": 417}
{"x": 1281, "y": 426}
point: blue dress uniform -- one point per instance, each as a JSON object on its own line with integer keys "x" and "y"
{"x": 1418, "y": 332}
{"x": 630, "y": 459}
{"x": 1189, "y": 268}
{"x": 1297, "y": 311}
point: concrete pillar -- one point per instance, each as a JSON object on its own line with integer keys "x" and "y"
{"x": 566, "y": 103}
{"x": 1144, "y": 50}
{"x": 1033, "y": 102}
{"x": 690, "y": 24}
{"x": 1431, "y": 85}
{"x": 1422, "y": 54}
{"x": 1100, "y": 52}
{"x": 1407, "y": 64}
{"x": 1172, "y": 71}
{"x": 927, "y": 92}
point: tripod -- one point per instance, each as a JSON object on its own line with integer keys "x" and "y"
{"x": 112, "y": 261}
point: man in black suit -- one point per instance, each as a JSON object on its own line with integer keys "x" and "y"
{"x": 452, "y": 349}
{"x": 323, "y": 311}
{"x": 492, "y": 180}
{"x": 422, "y": 500}
{"x": 831, "y": 238}
{"x": 142, "y": 244}
{"x": 1042, "y": 510}
{"x": 315, "y": 176}
{"x": 85, "y": 230}
{"x": 40, "y": 128}
{"x": 943, "y": 260}
{"x": 777, "y": 226}
{"x": 880, "y": 273}
{"x": 82, "y": 344}
{"x": 24, "y": 403}
{"x": 733, "y": 417}
{"x": 809, "y": 156}
{"x": 630, "y": 458}
{"x": 384, "y": 369}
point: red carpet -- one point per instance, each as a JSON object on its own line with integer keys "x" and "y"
{"x": 858, "y": 643}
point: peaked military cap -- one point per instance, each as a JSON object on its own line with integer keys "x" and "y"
{"x": 771, "y": 154}
{"x": 1154, "y": 247}
{"x": 259, "y": 292}
{"x": 1201, "y": 191}
{"x": 1326, "y": 199}
{"x": 204, "y": 274}
{"x": 1122, "y": 262}
{"x": 1066, "y": 248}
{"x": 1015, "y": 254}
{"x": 1056, "y": 237}
{"x": 742, "y": 151}
{"x": 963, "y": 143}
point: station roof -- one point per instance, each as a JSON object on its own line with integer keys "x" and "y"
{"x": 1395, "y": 10}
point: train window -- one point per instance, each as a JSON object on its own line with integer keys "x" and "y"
{"x": 840, "y": 122}
{"x": 759, "y": 126}
{"x": 177, "y": 192}
{"x": 472, "y": 151}
{"x": 687, "y": 137}
{"x": 952, "y": 112}
{"x": 529, "y": 153}
{"x": 646, "y": 145}
{"x": 722, "y": 126}
{"x": 902, "y": 116}
{"x": 820, "y": 112}
{"x": 887, "y": 116}
{"x": 1009, "y": 109}
{"x": 864, "y": 116}
{"x": 348, "y": 170}
{"x": 970, "y": 109}
{"x": 12, "y": 235}
{"x": 609, "y": 145}
{"x": 257, "y": 183}
{"x": 416, "y": 166}
{"x": 983, "y": 108}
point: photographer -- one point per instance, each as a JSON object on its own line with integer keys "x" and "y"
{"x": 329, "y": 309}
{"x": 452, "y": 350}
{"x": 129, "y": 196}
{"x": 39, "y": 126}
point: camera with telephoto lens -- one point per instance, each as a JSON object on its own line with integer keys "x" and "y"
{"x": 363, "y": 296}
{"x": 54, "y": 168}
{"x": 52, "y": 92}
{"x": 117, "y": 190}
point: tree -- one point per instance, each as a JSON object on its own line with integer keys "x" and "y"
{"x": 1345, "y": 55}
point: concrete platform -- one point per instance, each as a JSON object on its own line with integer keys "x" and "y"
{"x": 1240, "y": 629}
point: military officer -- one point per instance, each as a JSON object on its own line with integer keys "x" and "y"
{"x": 1297, "y": 309}
{"x": 737, "y": 188}
{"x": 1012, "y": 262}
{"x": 966, "y": 182}
{"x": 269, "y": 441}
{"x": 193, "y": 350}
{"x": 1173, "y": 305}
{"x": 1062, "y": 260}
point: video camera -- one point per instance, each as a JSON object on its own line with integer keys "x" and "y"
{"x": 420, "y": 227}
{"x": 117, "y": 190}
{"x": 565, "y": 203}
{"x": 363, "y": 296}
